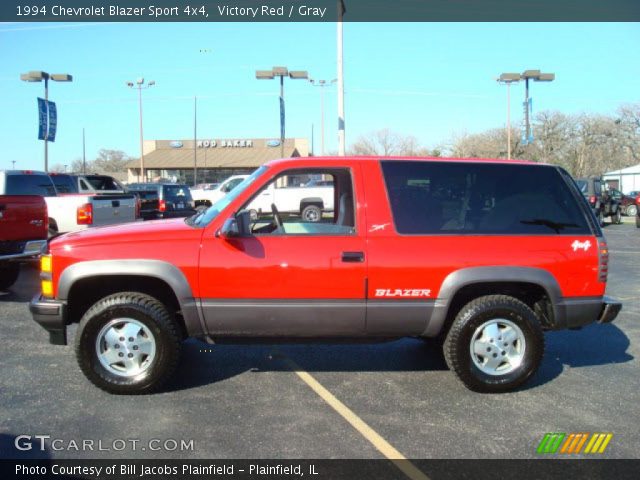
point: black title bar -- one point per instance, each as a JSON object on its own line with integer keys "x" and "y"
{"x": 320, "y": 10}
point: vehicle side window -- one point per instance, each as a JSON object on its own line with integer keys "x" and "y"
{"x": 287, "y": 207}
{"x": 84, "y": 186}
{"x": 480, "y": 198}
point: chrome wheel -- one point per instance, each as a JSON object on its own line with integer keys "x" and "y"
{"x": 497, "y": 347}
{"x": 125, "y": 347}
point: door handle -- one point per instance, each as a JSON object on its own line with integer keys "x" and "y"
{"x": 353, "y": 257}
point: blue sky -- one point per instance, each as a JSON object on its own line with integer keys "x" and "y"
{"x": 430, "y": 80}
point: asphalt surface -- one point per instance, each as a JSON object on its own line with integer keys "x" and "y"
{"x": 246, "y": 402}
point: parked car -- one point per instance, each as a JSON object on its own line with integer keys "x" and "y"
{"x": 307, "y": 201}
{"x": 68, "y": 212}
{"x": 204, "y": 198}
{"x": 91, "y": 184}
{"x": 163, "y": 200}
{"x": 627, "y": 203}
{"x": 23, "y": 233}
{"x": 601, "y": 201}
{"x": 638, "y": 211}
{"x": 486, "y": 254}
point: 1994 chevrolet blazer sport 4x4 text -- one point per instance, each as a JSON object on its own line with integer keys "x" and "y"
{"x": 484, "y": 254}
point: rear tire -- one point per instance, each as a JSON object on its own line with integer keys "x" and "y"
{"x": 632, "y": 211}
{"x": 128, "y": 343}
{"x": 601, "y": 218}
{"x": 311, "y": 213}
{"x": 9, "y": 272}
{"x": 617, "y": 217}
{"x": 495, "y": 344}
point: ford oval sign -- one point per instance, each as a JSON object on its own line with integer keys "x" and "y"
{"x": 175, "y": 144}
{"x": 273, "y": 143}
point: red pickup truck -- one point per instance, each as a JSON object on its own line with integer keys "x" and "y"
{"x": 23, "y": 233}
{"x": 484, "y": 254}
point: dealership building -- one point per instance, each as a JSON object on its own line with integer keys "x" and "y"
{"x": 216, "y": 159}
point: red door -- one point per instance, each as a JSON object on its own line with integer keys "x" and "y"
{"x": 283, "y": 284}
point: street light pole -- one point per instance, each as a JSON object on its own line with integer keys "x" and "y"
{"x": 507, "y": 79}
{"x": 537, "y": 77}
{"x": 38, "y": 76}
{"x": 281, "y": 72}
{"x": 341, "y": 133}
{"x": 139, "y": 85}
{"x": 322, "y": 84}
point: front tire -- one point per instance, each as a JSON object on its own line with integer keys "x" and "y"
{"x": 128, "y": 343}
{"x": 632, "y": 211}
{"x": 495, "y": 344}
{"x": 9, "y": 273}
{"x": 601, "y": 218}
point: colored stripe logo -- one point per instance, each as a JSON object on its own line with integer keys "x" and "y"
{"x": 573, "y": 443}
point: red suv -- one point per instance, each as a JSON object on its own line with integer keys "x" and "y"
{"x": 485, "y": 254}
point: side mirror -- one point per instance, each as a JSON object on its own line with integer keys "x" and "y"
{"x": 237, "y": 226}
{"x": 229, "y": 229}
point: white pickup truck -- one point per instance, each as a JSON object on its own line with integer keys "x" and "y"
{"x": 206, "y": 198}
{"x": 308, "y": 201}
{"x": 68, "y": 213}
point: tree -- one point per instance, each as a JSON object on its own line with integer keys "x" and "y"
{"x": 110, "y": 161}
{"x": 387, "y": 143}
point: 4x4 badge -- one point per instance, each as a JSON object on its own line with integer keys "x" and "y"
{"x": 577, "y": 245}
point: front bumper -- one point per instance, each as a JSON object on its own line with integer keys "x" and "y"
{"x": 52, "y": 316}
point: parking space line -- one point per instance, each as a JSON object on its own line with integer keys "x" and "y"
{"x": 384, "y": 447}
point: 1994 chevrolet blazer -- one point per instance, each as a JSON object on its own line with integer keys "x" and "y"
{"x": 484, "y": 254}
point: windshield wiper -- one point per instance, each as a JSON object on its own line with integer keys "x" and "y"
{"x": 557, "y": 227}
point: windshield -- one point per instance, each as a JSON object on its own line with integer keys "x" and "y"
{"x": 204, "y": 218}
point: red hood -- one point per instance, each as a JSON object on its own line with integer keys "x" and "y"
{"x": 134, "y": 232}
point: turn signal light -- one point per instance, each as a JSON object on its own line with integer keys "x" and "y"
{"x": 603, "y": 260}
{"x": 46, "y": 264}
{"x": 47, "y": 288}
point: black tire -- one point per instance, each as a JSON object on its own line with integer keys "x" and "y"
{"x": 9, "y": 272}
{"x": 637, "y": 222}
{"x": 154, "y": 316}
{"x": 632, "y": 210}
{"x": 311, "y": 213}
{"x": 617, "y": 217}
{"x": 457, "y": 346}
{"x": 601, "y": 218}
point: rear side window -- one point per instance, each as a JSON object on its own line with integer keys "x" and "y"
{"x": 480, "y": 198}
{"x": 99, "y": 182}
{"x": 177, "y": 193}
{"x": 64, "y": 184}
{"x": 582, "y": 185}
{"x": 30, "y": 185}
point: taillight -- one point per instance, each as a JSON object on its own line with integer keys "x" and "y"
{"x": 84, "y": 214}
{"x": 162, "y": 205}
{"x": 592, "y": 199}
{"x": 603, "y": 260}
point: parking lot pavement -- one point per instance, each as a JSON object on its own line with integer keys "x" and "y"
{"x": 246, "y": 402}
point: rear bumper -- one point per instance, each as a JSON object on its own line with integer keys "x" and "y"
{"x": 31, "y": 248}
{"x": 52, "y": 316}
{"x": 580, "y": 311}
{"x": 610, "y": 309}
